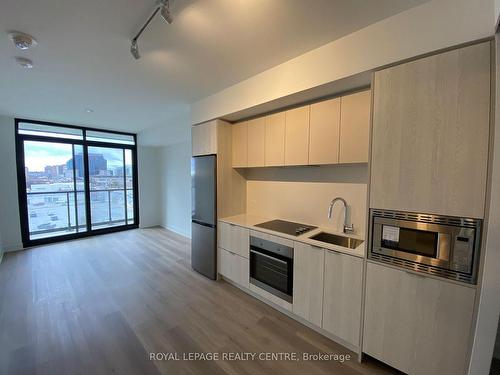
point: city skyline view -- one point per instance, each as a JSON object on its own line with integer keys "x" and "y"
{"x": 38, "y": 155}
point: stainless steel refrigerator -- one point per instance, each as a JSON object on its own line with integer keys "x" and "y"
{"x": 204, "y": 215}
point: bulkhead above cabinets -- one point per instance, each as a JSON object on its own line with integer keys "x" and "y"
{"x": 333, "y": 131}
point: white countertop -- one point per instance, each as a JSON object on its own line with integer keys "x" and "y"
{"x": 249, "y": 221}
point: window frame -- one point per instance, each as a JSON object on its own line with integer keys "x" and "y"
{"x": 21, "y": 180}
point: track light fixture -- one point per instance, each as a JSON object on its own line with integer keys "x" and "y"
{"x": 134, "y": 49}
{"x": 163, "y": 6}
{"x": 165, "y": 12}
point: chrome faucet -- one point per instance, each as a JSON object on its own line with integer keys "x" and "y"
{"x": 347, "y": 227}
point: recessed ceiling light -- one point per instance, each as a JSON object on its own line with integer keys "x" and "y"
{"x": 21, "y": 40}
{"x": 89, "y": 110}
{"x": 24, "y": 62}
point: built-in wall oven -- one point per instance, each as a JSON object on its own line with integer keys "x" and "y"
{"x": 440, "y": 245}
{"x": 271, "y": 267}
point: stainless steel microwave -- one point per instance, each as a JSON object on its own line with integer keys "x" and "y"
{"x": 440, "y": 245}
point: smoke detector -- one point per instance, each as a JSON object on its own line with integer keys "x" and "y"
{"x": 21, "y": 40}
{"x": 24, "y": 62}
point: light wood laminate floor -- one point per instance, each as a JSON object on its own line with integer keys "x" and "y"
{"x": 100, "y": 305}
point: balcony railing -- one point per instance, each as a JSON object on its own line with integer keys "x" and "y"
{"x": 62, "y": 212}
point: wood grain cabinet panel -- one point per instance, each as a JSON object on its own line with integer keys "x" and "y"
{"x": 297, "y": 136}
{"x": 417, "y": 324}
{"x": 431, "y": 132}
{"x": 308, "y": 264}
{"x": 204, "y": 139}
{"x": 355, "y": 127}
{"x": 240, "y": 145}
{"x": 256, "y": 142}
{"x": 390, "y": 304}
{"x": 275, "y": 140}
{"x": 234, "y": 267}
{"x": 234, "y": 238}
{"x": 324, "y": 132}
{"x": 342, "y": 296}
{"x": 443, "y": 331}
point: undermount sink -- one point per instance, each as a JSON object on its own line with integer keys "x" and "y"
{"x": 334, "y": 239}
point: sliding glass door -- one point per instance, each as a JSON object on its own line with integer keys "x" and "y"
{"x": 74, "y": 181}
{"x": 111, "y": 192}
{"x": 55, "y": 194}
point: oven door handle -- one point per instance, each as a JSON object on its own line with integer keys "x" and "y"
{"x": 268, "y": 256}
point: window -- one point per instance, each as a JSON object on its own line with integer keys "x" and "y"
{"x": 74, "y": 181}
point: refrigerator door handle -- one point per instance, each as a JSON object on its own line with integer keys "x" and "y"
{"x": 202, "y": 223}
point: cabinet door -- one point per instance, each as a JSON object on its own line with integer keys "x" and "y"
{"x": 275, "y": 140}
{"x": 355, "y": 127}
{"x": 390, "y": 305}
{"x": 444, "y": 319}
{"x": 297, "y": 136}
{"x": 308, "y": 264}
{"x": 430, "y": 134}
{"x": 234, "y": 267}
{"x": 417, "y": 324}
{"x": 324, "y": 132}
{"x": 240, "y": 145}
{"x": 234, "y": 238}
{"x": 342, "y": 296}
{"x": 204, "y": 139}
{"x": 256, "y": 142}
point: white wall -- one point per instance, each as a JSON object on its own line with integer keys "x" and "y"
{"x": 434, "y": 25}
{"x": 175, "y": 187}
{"x": 489, "y": 306}
{"x": 10, "y": 226}
{"x": 1, "y": 248}
{"x": 149, "y": 186}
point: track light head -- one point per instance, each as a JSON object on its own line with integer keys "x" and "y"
{"x": 134, "y": 49}
{"x": 165, "y": 11}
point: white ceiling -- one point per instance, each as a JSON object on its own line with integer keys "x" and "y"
{"x": 83, "y": 60}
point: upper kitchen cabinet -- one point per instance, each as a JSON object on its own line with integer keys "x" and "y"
{"x": 354, "y": 127}
{"x": 430, "y": 134}
{"x": 204, "y": 139}
{"x": 256, "y": 130}
{"x": 275, "y": 140}
{"x": 240, "y": 145}
{"x": 297, "y": 136}
{"x": 324, "y": 132}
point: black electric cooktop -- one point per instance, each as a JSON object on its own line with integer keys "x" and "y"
{"x": 287, "y": 227}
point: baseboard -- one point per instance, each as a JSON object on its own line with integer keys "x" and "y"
{"x": 11, "y": 248}
{"x": 176, "y": 231}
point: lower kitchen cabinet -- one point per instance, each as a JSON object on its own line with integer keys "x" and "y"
{"x": 308, "y": 265}
{"x": 234, "y": 267}
{"x": 342, "y": 296}
{"x": 233, "y": 238}
{"x": 417, "y": 324}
